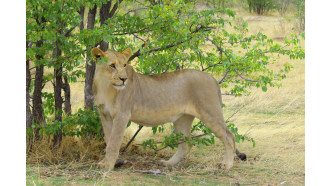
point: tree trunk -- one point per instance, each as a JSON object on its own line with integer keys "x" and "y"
{"x": 57, "y": 95}
{"x": 28, "y": 84}
{"x": 82, "y": 15}
{"x": 67, "y": 96}
{"x": 105, "y": 12}
{"x": 90, "y": 66}
{"x": 37, "y": 110}
{"x": 104, "y": 15}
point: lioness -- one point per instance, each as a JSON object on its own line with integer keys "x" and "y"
{"x": 177, "y": 97}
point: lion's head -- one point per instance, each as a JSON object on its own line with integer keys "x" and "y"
{"x": 114, "y": 69}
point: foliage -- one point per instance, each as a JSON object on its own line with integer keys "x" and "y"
{"x": 85, "y": 123}
{"x": 239, "y": 137}
{"x": 53, "y": 23}
{"x": 174, "y": 139}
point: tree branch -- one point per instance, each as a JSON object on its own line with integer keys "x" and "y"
{"x": 224, "y": 77}
{"x": 136, "y": 10}
{"x": 114, "y": 8}
{"x": 138, "y": 53}
{"x": 138, "y": 37}
{"x": 70, "y": 30}
{"x": 246, "y": 78}
{"x": 32, "y": 68}
{"x": 219, "y": 48}
{"x": 217, "y": 64}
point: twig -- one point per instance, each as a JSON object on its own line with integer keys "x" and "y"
{"x": 217, "y": 64}
{"x": 69, "y": 31}
{"x": 219, "y": 48}
{"x": 245, "y": 77}
{"x": 32, "y": 68}
{"x": 131, "y": 140}
{"x": 228, "y": 94}
{"x": 138, "y": 37}
{"x": 227, "y": 120}
{"x": 224, "y": 77}
{"x": 136, "y": 10}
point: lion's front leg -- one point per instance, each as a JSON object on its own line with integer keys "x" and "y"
{"x": 114, "y": 142}
{"x": 106, "y": 121}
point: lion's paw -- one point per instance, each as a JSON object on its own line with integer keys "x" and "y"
{"x": 105, "y": 164}
{"x": 167, "y": 163}
{"x": 225, "y": 166}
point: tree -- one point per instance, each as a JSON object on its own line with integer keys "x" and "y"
{"x": 301, "y": 13}
{"x": 51, "y": 25}
{"x": 260, "y": 6}
{"x": 282, "y": 6}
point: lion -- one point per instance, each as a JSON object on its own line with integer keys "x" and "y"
{"x": 124, "y": 95}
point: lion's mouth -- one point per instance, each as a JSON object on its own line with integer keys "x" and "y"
{"x": 122, "y": 86}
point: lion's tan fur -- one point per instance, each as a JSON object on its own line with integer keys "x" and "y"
{"x": 176, "y": 97}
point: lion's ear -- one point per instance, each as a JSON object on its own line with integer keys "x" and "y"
{"x": 127, "y": 52}
{"x": 98, "y": 53}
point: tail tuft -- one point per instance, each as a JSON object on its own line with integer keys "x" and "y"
{"x": 241, "y": 156}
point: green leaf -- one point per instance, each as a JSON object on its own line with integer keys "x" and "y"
{"x": 200, "y": 145}
{"x": 128, "y": 124}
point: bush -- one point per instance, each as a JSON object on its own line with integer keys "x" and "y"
{"x": 85, "y": 123}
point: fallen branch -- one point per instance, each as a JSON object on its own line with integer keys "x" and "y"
{"x": 149, "y": 172}
{"x": 131, "y": 140}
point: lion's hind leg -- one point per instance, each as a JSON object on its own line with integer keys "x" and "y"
{"x": 181, "y": 125}
{"x": 215, "y": 121}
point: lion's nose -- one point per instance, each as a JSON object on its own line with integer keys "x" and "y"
{"x": 123, "y": 79}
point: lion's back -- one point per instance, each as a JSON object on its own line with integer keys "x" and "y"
{"x": 178, "y": 87}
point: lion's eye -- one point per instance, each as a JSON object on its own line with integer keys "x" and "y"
{"x": 124, "y": 65}
{"x": 113, "y": 66}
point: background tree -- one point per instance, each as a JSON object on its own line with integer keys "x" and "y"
{"x": 261, "y": 6}
{"x": 282, "y": 6}
{"x": 52, "y": 24}
{"x": 301, "y": 13}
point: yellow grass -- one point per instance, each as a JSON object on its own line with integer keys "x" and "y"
{"x": 275, "y": 120}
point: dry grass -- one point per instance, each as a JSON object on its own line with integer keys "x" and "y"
{"x": 275, "y": 120}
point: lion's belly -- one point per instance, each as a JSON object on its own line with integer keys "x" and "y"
{"x": 154, "y": 120}
{"x": 154, "y": 117}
